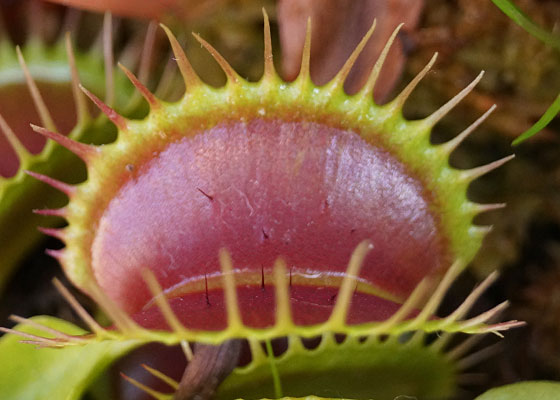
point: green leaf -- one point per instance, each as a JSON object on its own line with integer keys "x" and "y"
{"x": 521, "y": 19}
{"x": 354, "y": 369}
{"x": 552, "y": 40}
{"x": 32, "y": 373}
{"x": 537, "y": 390}
{"x": 543, "y": 121}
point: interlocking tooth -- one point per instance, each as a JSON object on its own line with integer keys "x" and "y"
{"x": 147, "y": 52}
{"x": 56, "y": 254}
{"x": 161, "y": 301}
{"x": 119, "y": 317}
{"x": 338, "y": 81}
{"x": 61, "y": 186}
{"x": 56, "y": 233}
{"x": 434, "y": 118}
{"x": 462, "y": 348}
{"x": 33, "y": 339}
{"x": 344, "y": 298}
{"x": 56, "y": 333}
{"x": 269, "y": 71}
{"x": 471, "y": 299}
{"x": 412, "y": 302}
{"x": 130, "y": 55}
{"x": 21, "y": 151}
{"x": 165, "y": 87}
{"x": 230, "y": 292}
{"x": 162, "y": 377}
{"x": 44, "y": 113}
{"x": 53, "y": 212}
{"x": 144, "y": 91}
{"x": 190, "y": 77}
{"x": 154, "y": 393}
{"x": 114, "y": 116}
{"x": 435, "y": 299}
{"x": 481, "y": 208}
{"x": 367, "y": 91}
{"x": 452, "y": 144}
{"x": 82, "y": 150}
{"x": 108, "y": 58}
{"x": 485, "y": 316}
{"x": 471, "y": 174}
{"x": 283, "y": 308}
{"x": 79, "y": 98}
{"x": 496, "y": 329}
{"x": 401, "y": 98}
{"x": 231, "y": 74}
{"x": 478, "y": 356}
{"x": 138, "y": 54}
{"x": 187, "y": 350}
{"x": 304, "y": 73}
{"x": 77, "y": 307}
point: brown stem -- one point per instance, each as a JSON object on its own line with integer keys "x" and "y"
{"x": 209, "y": 366}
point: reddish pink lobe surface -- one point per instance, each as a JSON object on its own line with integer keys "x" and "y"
{"x": 267, "y": 189}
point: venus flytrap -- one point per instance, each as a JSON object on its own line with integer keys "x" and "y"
{"x": 267, "y": 210}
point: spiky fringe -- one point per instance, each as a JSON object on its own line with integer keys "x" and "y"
{"x": 19, "y": 193}
{"x": 425, "y": 321}
{"x": 408, "y": 140}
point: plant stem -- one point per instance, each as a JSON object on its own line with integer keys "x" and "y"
{"x": 209, "y": 366}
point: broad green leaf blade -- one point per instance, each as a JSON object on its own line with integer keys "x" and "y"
{"x": 32, "y": 373}
{"x": 535, "y": 390}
